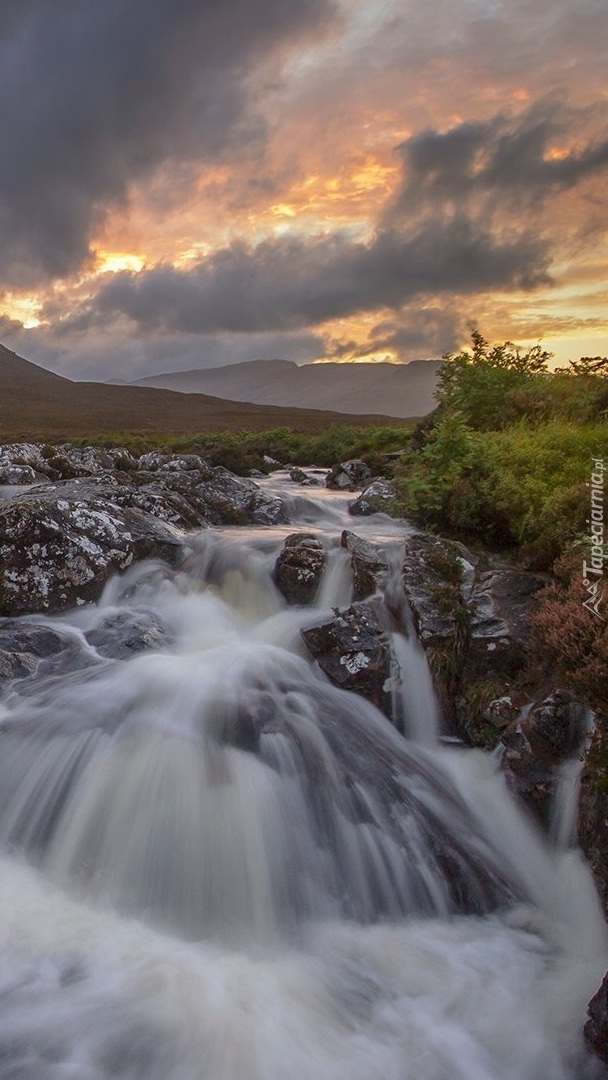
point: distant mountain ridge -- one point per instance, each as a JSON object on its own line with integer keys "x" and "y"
{"x": 34, "y": 402}
{"x": 399, "y": 390}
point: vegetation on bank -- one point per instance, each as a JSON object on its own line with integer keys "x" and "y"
{"x": 242, "y": 451}
{"x": 513, "y": 458}
{"x": 506, "y": 457}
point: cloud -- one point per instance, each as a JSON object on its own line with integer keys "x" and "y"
{"x": 292, "y": 282}
{"x": 416, "y": 332}
{"x": 115, "y": 354}
{"x": 521, "y": 158}
{"x": 96, "y": 95}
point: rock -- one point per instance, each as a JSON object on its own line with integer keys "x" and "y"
{"x": 270, "y": 462}
{"x": 29, "y": 454}
{"x": 23, "y": 645}
{"x": 374, "y": 498}
{"x": 369, "y": 565}
{"x": 299, "y": 568}
{"x": 348, "y": 476}
{"x": 596, "y": 1028}
{"x": 474, "y": 622}
{"x": 69, "y": 461}
{"x": 353, "y": 651}
{"x": 18, "y": 474}
{"x": 593, "y": 811}
{"x": 300, "y": 477}
{"x": 433, "y": 575}
{"x": 500, "y": 602}
{"x": 172, "y": 463}
{"x": 534, "y": 747}
{"x": 235, "y": 500}
{"x": 60, "y": 543}
{"x": 126, "y": 633}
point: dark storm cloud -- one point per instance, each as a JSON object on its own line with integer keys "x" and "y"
{"x": 509, "y": 157}
{"x": 288, "y": 283}
{"x": 431, "y": 331}
{"x": 96, "y": 93}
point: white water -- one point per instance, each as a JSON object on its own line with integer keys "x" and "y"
{"x": 218, "y": 867}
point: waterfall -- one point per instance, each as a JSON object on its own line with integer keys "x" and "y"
{"x": 217, "y": 866}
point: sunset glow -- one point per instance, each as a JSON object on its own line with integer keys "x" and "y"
{"x": 342, "y": 187}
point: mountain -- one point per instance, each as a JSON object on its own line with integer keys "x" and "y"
{"x": 398, "y": 390}
{"x": 35, "y": 402}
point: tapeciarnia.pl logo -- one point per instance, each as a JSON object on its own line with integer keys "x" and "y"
{"x": 593, "y": 571}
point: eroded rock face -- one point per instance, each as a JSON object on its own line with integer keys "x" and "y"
{"x": 375, "y": 498}
{"x": 369, "y": 565}
{"x": 353, "y": 651}
{"x": 534, "y": 747}
{"x": 299, "y": 568}
{"x": 474, "y": 622}
{"x": 348, "y": 475}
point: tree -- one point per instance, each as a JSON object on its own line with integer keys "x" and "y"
{"x": 478, "y": 381}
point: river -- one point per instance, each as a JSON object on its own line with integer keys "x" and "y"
{"x": 217, "y": 866}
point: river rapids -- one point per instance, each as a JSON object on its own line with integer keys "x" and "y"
{"x": 217, "y": 866}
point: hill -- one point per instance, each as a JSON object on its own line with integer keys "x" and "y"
{"x": 35, "y": 402}
{"x": 396, "y": 390}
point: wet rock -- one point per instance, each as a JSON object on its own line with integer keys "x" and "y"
{"x": 596, "y": 1028}
{"x": 474, "y": 622}
{"x": 123, "y": 634}
{"x": 23, "y": 646}
{"x": 375, "y": 498}
{"x": 300, "y": 477}
{"x": 60, "y": 543}
{"x": 433, "y": 576}
{"x": 593, "y": 811}
{"x": 348, "y": 476}
{"x": 369, "y": 565}
{"x": 534, "y": 747}
{"x": 500, "y": 602}
{"x": 353, "y": 651}
{"x": 299, "y": 568}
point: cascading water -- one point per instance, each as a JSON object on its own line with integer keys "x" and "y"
{"x": 217, "y": 866}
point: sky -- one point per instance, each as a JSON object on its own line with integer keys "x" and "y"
{"x": 191, "y": 183}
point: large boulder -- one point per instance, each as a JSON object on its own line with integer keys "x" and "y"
{"x": 299, "y": 568}
{"x": 369, "y": 565}
{"x": 375, "y": 498}
{"x": 348, "y": 475}
{"x": 60, "y": 543}
{"x": 353, "y": 650}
